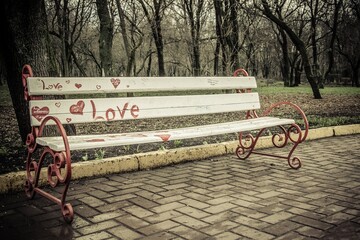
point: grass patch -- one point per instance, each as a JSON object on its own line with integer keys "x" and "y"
{"x": 318, "y": 121}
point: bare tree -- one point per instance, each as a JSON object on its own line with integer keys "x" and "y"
{"x": 227, "y": 32}
{"x": 333, "y": 24}
{"x": 268, "y": 12}
{"x": 194, "y": 11}
{"x": 154, "y": 14}
{"x": 67, "y": 21}
{"x": 132, "y": 35}
{"x": 348, "y": 39}
{"x": 106, "y": 36}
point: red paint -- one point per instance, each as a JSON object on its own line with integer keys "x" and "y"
{"x": 134, "y": 110}
{"x": 78, "y": 85}
{"x": 39, "y": 113}
{"x": 77, "y": 108}
{"x": 111, "y": 114}
{"x": 164, "y": 137}
{"x": 115, "y": 82}
{"x": 57, "y": 86}
{"x": 96, "y": 140}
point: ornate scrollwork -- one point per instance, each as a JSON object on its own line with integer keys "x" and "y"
{"x": 58, "y": 172}
{"x": 294, "y": 162}
{"x": 280, "y": 139}
{"x": 293, "y": 134}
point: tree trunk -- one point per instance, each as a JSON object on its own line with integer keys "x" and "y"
{"x": 194, "y": 18}
{"x": 106, "y": 36}
{"x": 335, "y": 24}
{"x": 23, "y": 22}
{"x": 155, "y": 24}
{"x": 234, "y": 36}
{"x": 285, "y": 58}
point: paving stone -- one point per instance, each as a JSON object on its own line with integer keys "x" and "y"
{"x": 106, "y": 216}
{"x": 132, "y": 221}
{"x": 219, "y": 227}
{"x": 193, "y": 212}
{"x": 123, "y": 232}
{"x": 95, "y": 236}
{"x": 188, "y": 233}
{"x": 219, "y": 208}
{"x": 137, "y": 211}
{"x": 226, "y": 236}
{"x": 219, "y": 198}
{"x": 158, "y": 227}
{"x": 167, "y": 207}
{"x": 311, "y": 222}
{"x": 97, "y": 227}
{"x": 190, "y": 222}
{"x": 252, "y": 233}
{"x": 282, "y": 228}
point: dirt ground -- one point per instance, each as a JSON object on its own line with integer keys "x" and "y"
{"x": 13, "y": 151}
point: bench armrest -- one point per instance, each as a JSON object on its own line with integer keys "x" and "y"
{"x": 297, "y": 109}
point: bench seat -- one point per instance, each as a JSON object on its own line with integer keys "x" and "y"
{"x": 80, "y": 142}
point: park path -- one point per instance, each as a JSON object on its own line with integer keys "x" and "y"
{"x": 218, "y": 198}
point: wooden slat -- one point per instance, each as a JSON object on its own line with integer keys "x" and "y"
{"x": 107, "y": 140}
{"x": 104, "y": 109}
{"x": 85, "y": 85}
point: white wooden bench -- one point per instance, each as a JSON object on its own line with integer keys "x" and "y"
{"x": 89, "y": 109}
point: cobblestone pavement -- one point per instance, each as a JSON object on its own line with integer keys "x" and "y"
{"x": 219, "y": 198}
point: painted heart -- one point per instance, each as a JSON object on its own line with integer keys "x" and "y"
{"x": 77, "y": 108}
{"x": 68, "y": 120}
{"x": 58, "y": 104}
{"x": 39, "y": 113}
{"x": 115, "y": 82}
{"x": 78, "y": 85}
{"x": 67, "y": 81}
{"x": 164, "y": 137}
{"x": 98, "y": 87}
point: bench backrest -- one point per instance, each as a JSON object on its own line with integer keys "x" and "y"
{"x": 89, "y": 108}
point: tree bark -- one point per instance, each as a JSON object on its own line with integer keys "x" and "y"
{"x": 23, "y": 22}
{"x": 106, "y": 36}
{"x": 155, "y": 25}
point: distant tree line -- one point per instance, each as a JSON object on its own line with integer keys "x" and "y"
{"x": 285, "y": 39}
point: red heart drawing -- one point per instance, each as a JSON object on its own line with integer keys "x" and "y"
{"x": 58, "y": 104}
{"x": 77, "y": 108}
{"x": 39, "y": 113}
{"x": 115, "y": 82}
{"x": 78, "y": 85}
{"x": 98, "y": 87}
{"x": 68, "y": 120}
{"x": 164, "y": 137}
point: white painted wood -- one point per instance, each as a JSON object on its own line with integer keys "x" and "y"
{"x": 86, "y": 85}
{"x": 105, "y": 109}
{"x": 107, "y": 140}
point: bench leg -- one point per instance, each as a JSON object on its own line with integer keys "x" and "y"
{"x": 291, "y": 135}
{"x": 58, "y": 172}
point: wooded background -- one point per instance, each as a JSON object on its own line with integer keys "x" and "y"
{"x": 288, "y": 40}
